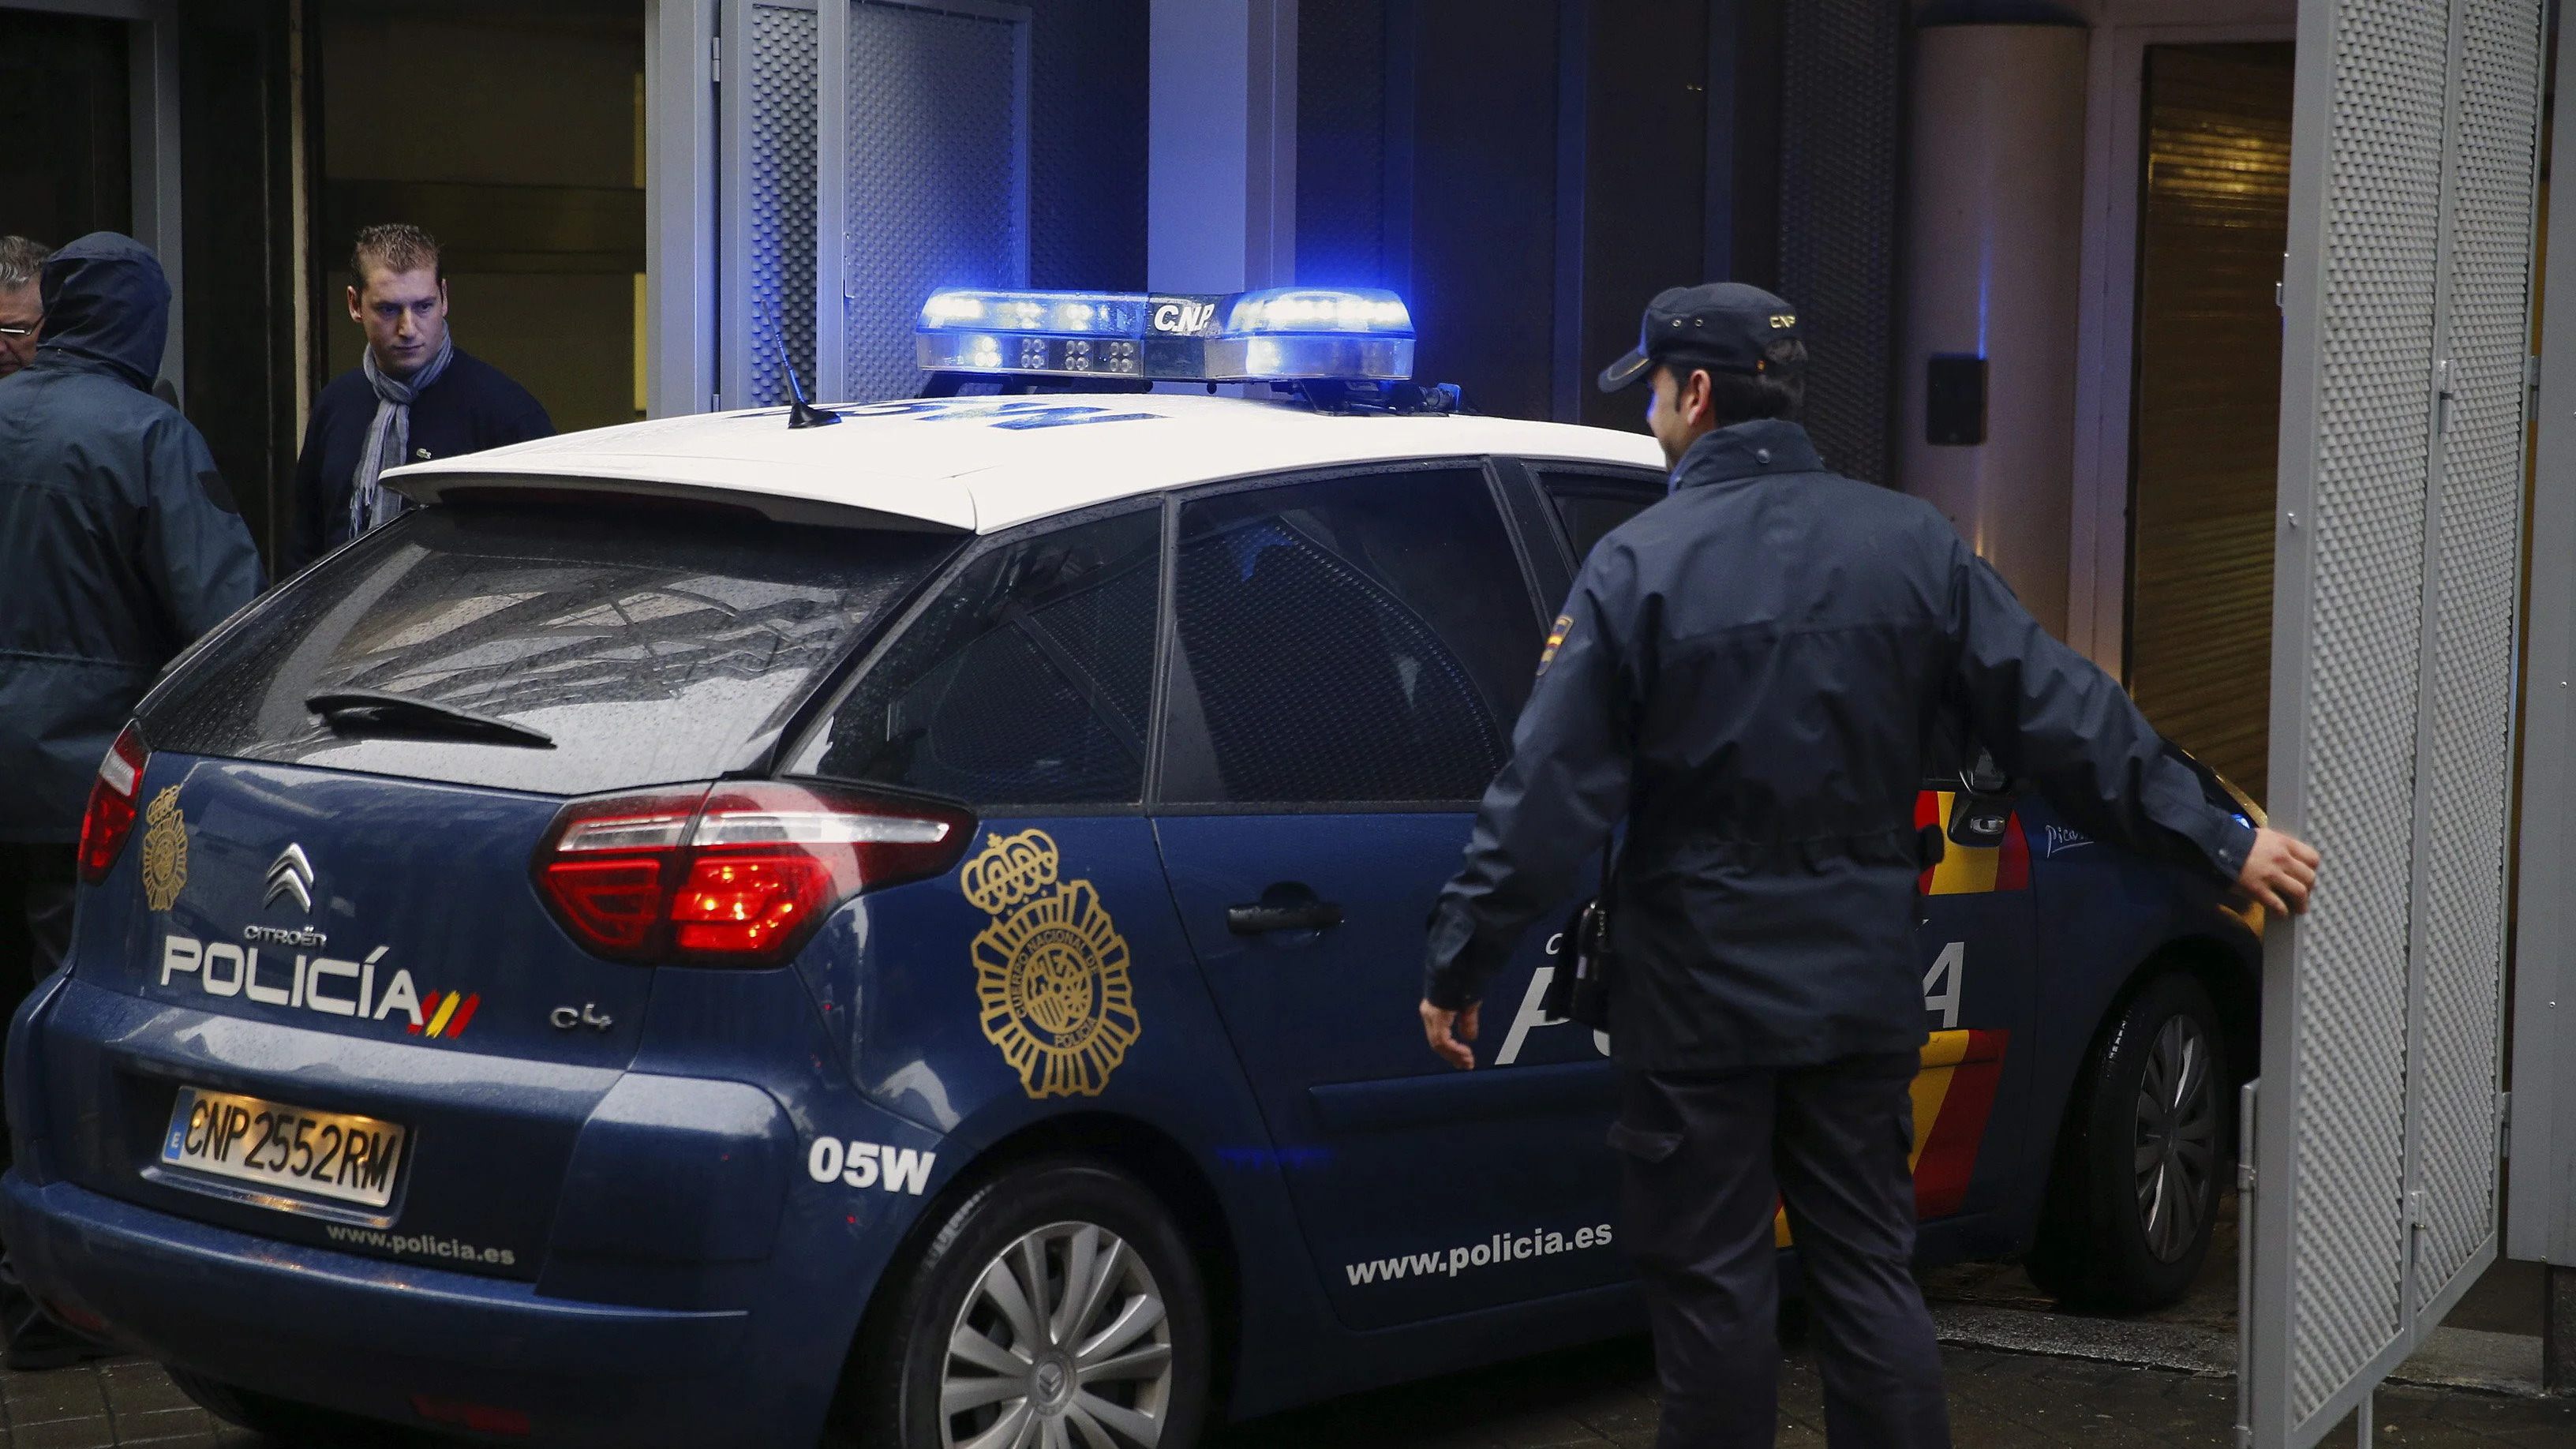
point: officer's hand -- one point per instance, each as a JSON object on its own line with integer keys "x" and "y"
{"x": 2279, "y": 871}
{"x": 1450, "y": 1048}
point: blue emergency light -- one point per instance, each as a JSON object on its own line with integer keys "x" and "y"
{"x": 1279, "y": 334}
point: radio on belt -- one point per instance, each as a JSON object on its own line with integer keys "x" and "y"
{"x": 1281, "y": 334}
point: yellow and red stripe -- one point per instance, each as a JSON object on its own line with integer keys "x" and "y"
{"x": 1970, "y": 869}
{"x": 445, "y": 1013}
{"x": 1954, "y": 1095}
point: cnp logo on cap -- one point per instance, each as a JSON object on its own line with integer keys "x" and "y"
{"x": 1720, "y": 326}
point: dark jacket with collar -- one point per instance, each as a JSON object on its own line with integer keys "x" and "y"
{"x": 119, "y": 542}
{"x": 472, "y": 406}
{"x": 1752, "y": 671}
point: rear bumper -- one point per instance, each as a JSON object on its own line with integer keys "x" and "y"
{"x": 366, "y": 1336}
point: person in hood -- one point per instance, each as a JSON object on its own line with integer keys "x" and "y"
{"x": 22, "y": 310}
{"x": 415, "y": 395}
{"x": 119, "y": 545}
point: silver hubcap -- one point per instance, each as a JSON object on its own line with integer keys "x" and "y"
{"x": 1062, "y": 1343}
{"x": 2177, "y": 1135}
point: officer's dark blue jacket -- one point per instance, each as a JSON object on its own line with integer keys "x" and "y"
{"x": 1753, "y": 669}
{"x": 472, "y": 406}
{"x": 119, "y": 542}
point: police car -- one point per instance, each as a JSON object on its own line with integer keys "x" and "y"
{"x": 901, "y": 924}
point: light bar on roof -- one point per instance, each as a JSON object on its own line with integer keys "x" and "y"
{"x": 1278, "y": 334}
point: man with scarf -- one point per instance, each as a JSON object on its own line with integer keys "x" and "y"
{"x": 415, "y": 395}
{"x": 119, "y": 544}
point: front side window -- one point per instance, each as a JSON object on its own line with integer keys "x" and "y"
{"x": 1024, "y": 682}
{"x": 1362, "y": 639}
{"x": 1589, "y": 505}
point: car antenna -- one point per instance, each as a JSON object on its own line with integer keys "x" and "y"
{"x": 800, "y": 413}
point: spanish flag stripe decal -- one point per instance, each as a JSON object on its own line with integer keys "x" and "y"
{"x": 464, "y": 1014}
{"x": 438, "y": 1019}
{"x": 427, "y": 1006}
{"x": 1954, "y": 1095}
{"x": 1947, "y": 1158}
{"x": 1971, "y": 869}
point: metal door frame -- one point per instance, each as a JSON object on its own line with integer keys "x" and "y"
{"x": 2541, "y": 1208}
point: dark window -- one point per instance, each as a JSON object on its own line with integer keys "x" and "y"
{"x": 1592, "y": 504}
{"x": 652, "y": 648}
{"x": 1358, "y": 639}
{"x": 1025, "y": 682}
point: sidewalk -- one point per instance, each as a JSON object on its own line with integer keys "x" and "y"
{"x": 1604, "y": 1395}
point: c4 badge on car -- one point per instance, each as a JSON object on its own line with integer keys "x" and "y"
{"x": 165, "y": 850}
{"x": 1050, "y": 971}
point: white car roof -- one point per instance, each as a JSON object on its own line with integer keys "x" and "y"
{"x": 978, "y": 464}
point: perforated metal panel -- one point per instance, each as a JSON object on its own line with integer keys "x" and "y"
{"x": 1841, "y": 154}
{"x": 2468, "y": 762}
{"x": 2413, "y": 181}
{"x": 935, "y": 188}
{"x": 780, "y": 190}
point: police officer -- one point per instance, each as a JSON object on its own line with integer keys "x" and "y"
{"x": 1752, "y": 672}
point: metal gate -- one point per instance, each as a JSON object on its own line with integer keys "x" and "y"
{"x": 872, "y": 150}
{"x": 2407, "y": 296}
{"x": 768, "y": 216}
{"x": 925, "y": 176}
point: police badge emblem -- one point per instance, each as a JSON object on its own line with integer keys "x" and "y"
{"x": 165, "y": 850}
{"x": 1050, "y": 971}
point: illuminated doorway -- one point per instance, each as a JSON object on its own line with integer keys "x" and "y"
{"x": 2213, "y": 220}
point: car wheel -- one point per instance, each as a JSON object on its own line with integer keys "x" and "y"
{"x": 1058, "y": 1307}
{"x": 2134, "y": 1195}
{"x": 287, "y": 1422}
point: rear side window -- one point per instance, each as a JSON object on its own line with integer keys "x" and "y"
{"x": 1589, "y": 505}
{"x": 1365, "y": 639}
{"x": 650, "y": 648}
{"x": 1024, "y": 681}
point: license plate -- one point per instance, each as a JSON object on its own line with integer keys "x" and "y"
{"x": 329, "y": 1154}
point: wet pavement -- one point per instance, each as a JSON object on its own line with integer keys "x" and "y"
{"x": 2020, "y": 1377}
{"x": 1599, "y": 1395}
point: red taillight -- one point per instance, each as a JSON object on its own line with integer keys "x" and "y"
{"x": 732, "y": 874}
{"x": 481, "y": 1418}
{"x": 112, "y": 806}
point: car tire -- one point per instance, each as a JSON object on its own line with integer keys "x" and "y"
{"x": 2133, "y": 1197}
{"x": 283, "y": 1420}
{"x": 962, "y": 1346}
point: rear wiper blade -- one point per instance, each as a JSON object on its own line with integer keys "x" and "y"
{"x": 339, "y": 707}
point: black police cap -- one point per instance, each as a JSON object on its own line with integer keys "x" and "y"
{"x": 1718, "y": 326}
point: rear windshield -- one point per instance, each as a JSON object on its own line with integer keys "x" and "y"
{"x": 653, "y": 648}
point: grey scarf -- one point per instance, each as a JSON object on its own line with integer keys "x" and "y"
{"x": 388, "y": 437}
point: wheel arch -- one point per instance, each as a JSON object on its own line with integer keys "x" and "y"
{"x": 1142, "y": 1150}
{"x": 2226, "y": 963}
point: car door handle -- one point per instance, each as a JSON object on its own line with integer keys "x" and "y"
{"x": 1271, "y": 914}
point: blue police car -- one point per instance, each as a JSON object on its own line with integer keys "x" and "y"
{"x": 901, "y": 924}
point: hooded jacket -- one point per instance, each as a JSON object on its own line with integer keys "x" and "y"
{"x": 119, "y": 543}
{"x": 1753, "y": 672}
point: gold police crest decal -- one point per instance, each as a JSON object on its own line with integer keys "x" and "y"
{"x": 1050, "y": 971}
{"x": 165, "y": 850}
